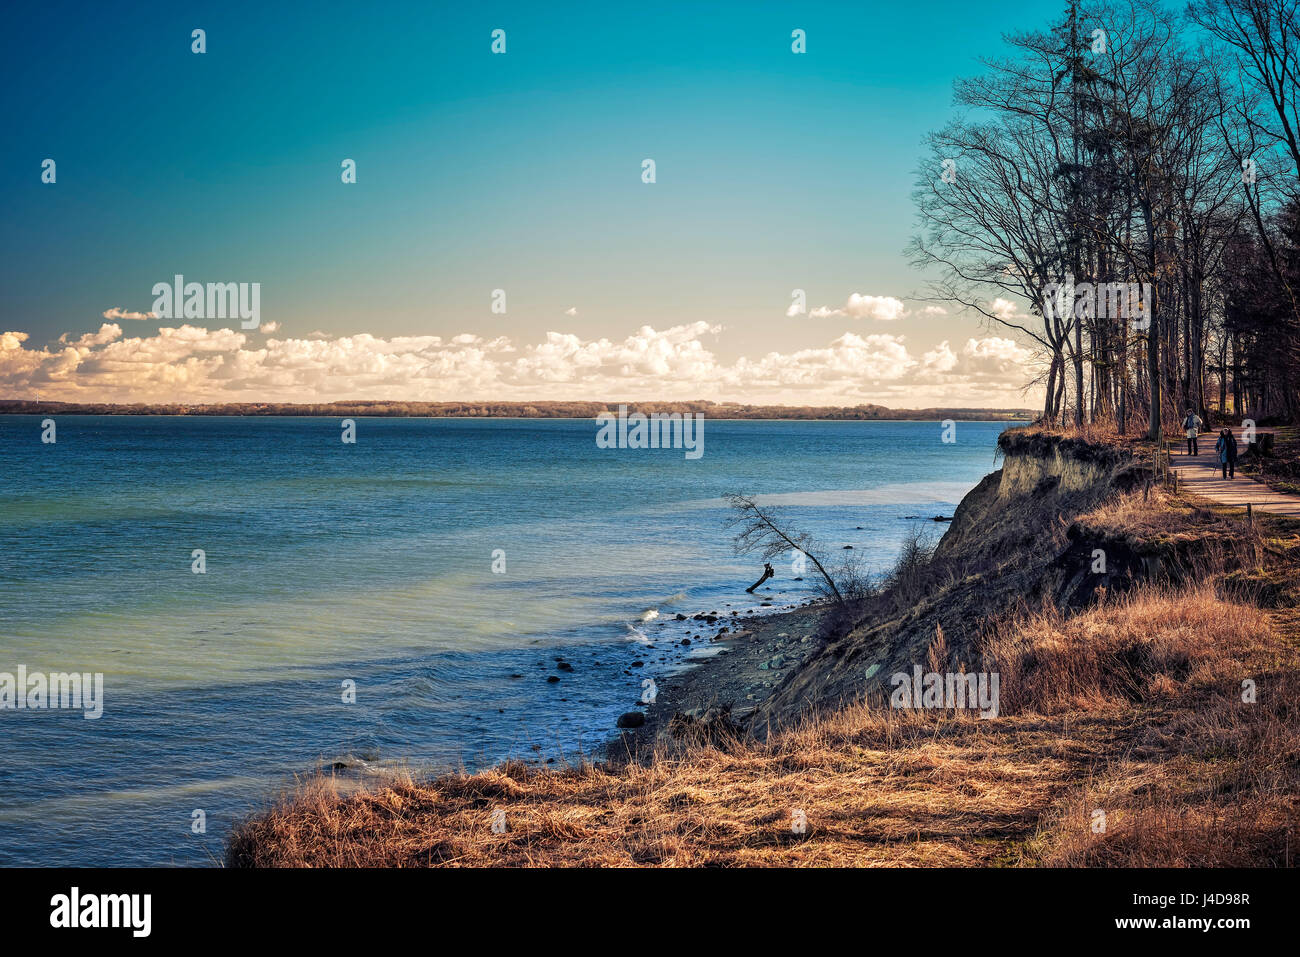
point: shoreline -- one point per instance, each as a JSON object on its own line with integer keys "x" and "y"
{"x": 729, "y": 686}
{"x": 431, "y": 706}
{"x": 576, "y": 410}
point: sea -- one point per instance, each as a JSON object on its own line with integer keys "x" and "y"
{"x": 264, "y": 599}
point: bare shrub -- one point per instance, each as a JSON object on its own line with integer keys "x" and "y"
{"x": 910, "y": 579}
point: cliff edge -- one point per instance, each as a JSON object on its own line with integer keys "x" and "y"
{"x": 1013, "y": 542}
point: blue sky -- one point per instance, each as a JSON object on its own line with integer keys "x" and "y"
{"x": 476, "y": 171}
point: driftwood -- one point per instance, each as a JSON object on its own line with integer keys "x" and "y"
{"x": 767, "y": 573}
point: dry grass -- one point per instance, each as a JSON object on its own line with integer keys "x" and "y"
{"x": 1211, "y": 780}
{"x": 1146, "y": 647}
{"x": 1214, "y": 786}
{"x": 1106, "y": 432}
{"x": 1098, "y": 433}
{"x": 1134, "y": 707}
{"x": 1158, "y": 515}
{"x": 1137, "y": 514}
{"x": 876, "y": 788}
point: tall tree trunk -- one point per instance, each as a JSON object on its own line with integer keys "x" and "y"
{"x": 1078, "y": 371}
{"x": 1050, "y": 393}
{"x": 1154, "y": 428}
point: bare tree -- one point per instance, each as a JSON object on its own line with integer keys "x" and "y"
{"x": 1264, "y": 36}
{"x": 1093, "y": 155}
{"x": 1259, "y": 105}
{"x": 764, "y": 530}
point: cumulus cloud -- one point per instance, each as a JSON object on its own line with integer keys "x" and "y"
{"x": 939, "y": 360}
{"x": 848, "y": 360}
{"x": 994, "y": 359}
{"x": 191, "y": 364}
{"x": 1006, "y": 310}
{"x": 571, "y": 311}
{"x": 994, "y": 356}
{"x": 107, "y": 333}
{"x": 117, "y": 312}
{"x": 864, "y": 307}
{"x": 269, "y": 327}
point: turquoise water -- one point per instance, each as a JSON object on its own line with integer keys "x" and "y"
{"x": 373, "y": 563}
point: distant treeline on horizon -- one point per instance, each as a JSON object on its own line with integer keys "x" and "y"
{"x": 501, "y": 410}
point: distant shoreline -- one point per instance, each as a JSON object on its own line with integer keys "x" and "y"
{"x": 513, "y": 410}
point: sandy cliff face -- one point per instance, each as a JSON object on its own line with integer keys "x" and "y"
{"x": 1012, "y": 542}
{"x": 1024, "y": 472}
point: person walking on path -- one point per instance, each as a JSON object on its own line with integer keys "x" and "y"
{"x": 1227, "y": 449}
{"x": 1192, "y": 423}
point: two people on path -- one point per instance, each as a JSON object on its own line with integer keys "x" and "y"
{"x": 1192, "y": 423}
{"x": 1226, "y": 447}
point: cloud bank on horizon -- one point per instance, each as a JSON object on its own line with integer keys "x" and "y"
{"x": 188, "y": 364}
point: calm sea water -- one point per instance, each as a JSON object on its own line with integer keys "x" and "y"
{"x": 373, "y": 563}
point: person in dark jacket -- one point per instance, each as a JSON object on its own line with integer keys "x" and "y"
{"x": 1227, "y": 449}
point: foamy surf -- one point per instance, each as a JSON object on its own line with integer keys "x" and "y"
{"x": 636, "y": 634}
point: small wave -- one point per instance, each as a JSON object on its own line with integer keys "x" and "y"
{"x": 650, "y": 614}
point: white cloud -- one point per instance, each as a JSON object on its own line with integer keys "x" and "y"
{"x": 848, "y": 360}
{"x": 981, "y": 360}
{"x": 571, "y": 311}
{"x": 191, "y": 364}
{"x": 106, "y": 334}
{"x": 117, "y": 312}
{"x": 994, "y": 356}
{"x": 269, "y": 327}
{"x": 864, "y": 307}
{"x": 939, "y": 360}
{"x": 1006, "y": 310}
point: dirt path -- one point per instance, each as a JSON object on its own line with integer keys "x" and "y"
{"x": 1201, "y": 475}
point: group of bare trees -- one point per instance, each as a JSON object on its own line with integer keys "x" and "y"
{"x": 1123, "y": 190}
